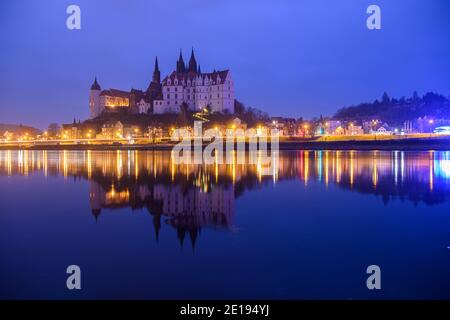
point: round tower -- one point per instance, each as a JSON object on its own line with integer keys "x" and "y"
{"x": 94, "y": 100}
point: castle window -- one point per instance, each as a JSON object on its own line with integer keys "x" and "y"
{"x": 176, "y": 89}
{"x": 168, "y": 96}
{"x": 176, "y": 96}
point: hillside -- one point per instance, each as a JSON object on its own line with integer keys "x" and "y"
{"x": 396, "y": 111}
{"x": 18, "y": 129}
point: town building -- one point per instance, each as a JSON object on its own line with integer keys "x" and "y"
{"x": 335, "y": 127}
{"x": 71, "y": 131}
{"x": 111, "y": 130}
{"x": 354, "y": 130}
{"x": 284, "y": 126}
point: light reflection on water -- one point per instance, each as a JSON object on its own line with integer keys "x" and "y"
{"x": 205, "y": 194}
{"x": 186, "y": 199}
{"x": 347, "y": 167}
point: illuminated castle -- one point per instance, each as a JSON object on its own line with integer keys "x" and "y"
{"x": 185, "y": 85}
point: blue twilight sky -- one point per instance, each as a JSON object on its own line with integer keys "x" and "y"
{"x": 289, "y": 57}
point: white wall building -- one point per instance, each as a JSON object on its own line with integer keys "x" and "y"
{"x": 187, "y": 84}
{"x": 198, "y": 90}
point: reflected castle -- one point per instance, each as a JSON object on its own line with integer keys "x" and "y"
{"x": 190, "y": 197}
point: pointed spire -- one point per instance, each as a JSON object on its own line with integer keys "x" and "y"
{"x": 156, "y": 73}
{"x": 181, "y": 67}
{"x": 199, "y": 70}
{"x": 193, "y": 233}
{"x": 192, "y": 62}
{"x": 181, "y": 234}
{"x": 95, "y": 85}
{"x": 156, "y": 64}
{"x": 157, "y": 225}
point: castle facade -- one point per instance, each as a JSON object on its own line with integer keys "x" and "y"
{"x": 186, "y": 86}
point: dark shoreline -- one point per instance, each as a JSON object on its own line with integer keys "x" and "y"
{"x": 420, "y": 144}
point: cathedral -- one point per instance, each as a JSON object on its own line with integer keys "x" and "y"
{"x": 187, "y": 85}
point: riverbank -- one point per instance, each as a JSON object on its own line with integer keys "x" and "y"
{"x": 428, "y": 143}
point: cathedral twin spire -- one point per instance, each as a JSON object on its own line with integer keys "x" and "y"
{"x": 181, "y": 67}
{"x": 192, "y": 62}
{"x": 191, "y": 67}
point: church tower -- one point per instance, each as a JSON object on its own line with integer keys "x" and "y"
{"x": 94, "y": 100}
{"x": 156, "y": 73}
{"x": 192, "y": 62}
{"x": 181, "y": 67}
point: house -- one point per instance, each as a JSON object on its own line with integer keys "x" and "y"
{"x": 384, "y": 129}
{"x": 111, "y": 130}
{"x": 237, "y": 123}
{"x": 132, "y": 132}
{"x": 332, "y": 126}
{"x": 156, "y": 133}
{"x": 339, "y": 131}
{"x": 285, "y": 126}
{"x": 7, "y": 135}
{"x": 71, "y": 131}
{"x": 353, "y": 130}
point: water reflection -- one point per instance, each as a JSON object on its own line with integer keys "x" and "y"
{"x": 190, "y": 197}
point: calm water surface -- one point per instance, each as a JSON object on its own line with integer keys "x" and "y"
{"x": 142, "y": 227}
